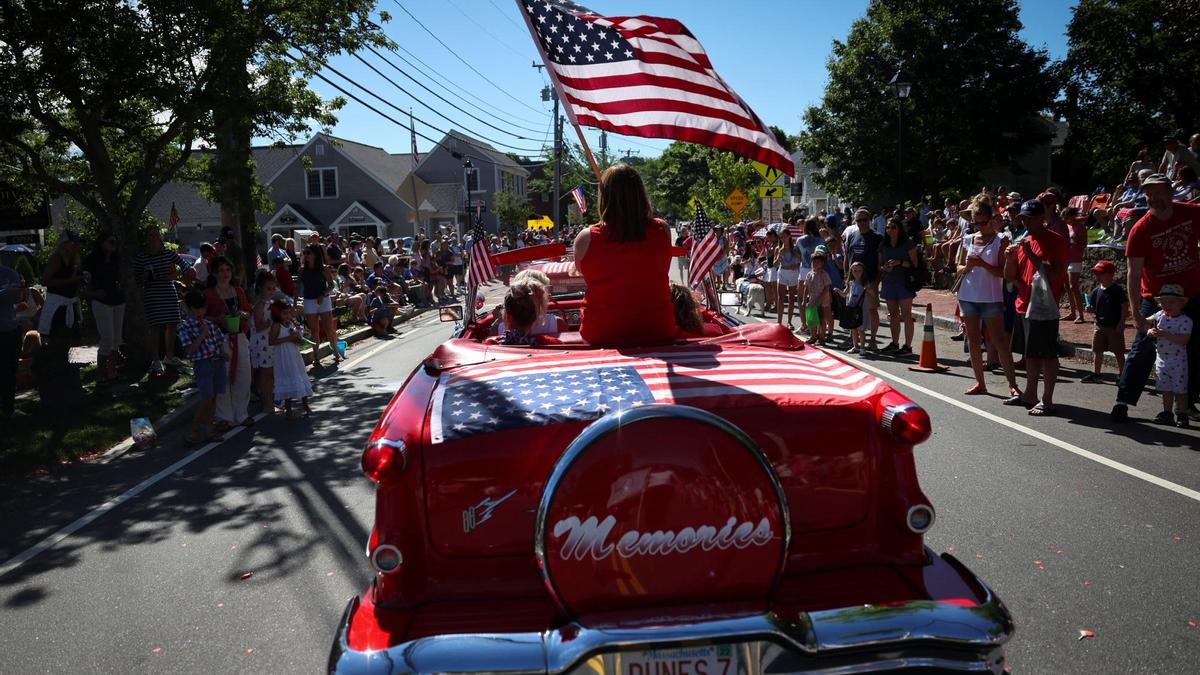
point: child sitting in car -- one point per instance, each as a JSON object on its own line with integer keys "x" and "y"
{"x": 523, "y": 308}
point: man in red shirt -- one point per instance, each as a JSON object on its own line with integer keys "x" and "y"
{"x": 1037, "y": 338}
{"x": 1162, "y": 249}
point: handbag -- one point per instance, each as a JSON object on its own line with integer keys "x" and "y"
{"x": 850, "y": 317}
{"x": 1042, "y": 306}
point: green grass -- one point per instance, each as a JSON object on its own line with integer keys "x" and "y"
{"x": 40, "y": 442}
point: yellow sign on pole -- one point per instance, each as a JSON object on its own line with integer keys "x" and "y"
{"x": 736, "y": 201}
{"x": 769, "y": 173}
{"x": 692, "y": 204}
{"x": 770, "y": 191}
{"x": 543, "y": 223}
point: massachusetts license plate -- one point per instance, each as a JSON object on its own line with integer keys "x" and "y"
{"x": 699, "y": 660}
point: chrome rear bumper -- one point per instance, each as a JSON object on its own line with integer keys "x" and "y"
{"x": 924, "y": 635}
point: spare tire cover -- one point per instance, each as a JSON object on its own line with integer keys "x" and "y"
{"x": 660, "y": 505}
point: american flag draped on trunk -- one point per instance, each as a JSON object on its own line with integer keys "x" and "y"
{"x": 706, "y": 248}
{"x": 645, "y": 76}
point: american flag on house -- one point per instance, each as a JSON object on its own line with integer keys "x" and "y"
{"x": 562, "y": 387}
{"x": 645, "y": 76}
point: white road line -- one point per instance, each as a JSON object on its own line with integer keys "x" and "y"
{"x": 53, "y": 540}
{"x": 1086, "y": 454}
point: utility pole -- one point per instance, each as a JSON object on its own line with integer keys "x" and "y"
{"x": 551, "y": 94}
{"x": 603, "y": 150}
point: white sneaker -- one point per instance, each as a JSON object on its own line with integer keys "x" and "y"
{"x": 852, "y": 350}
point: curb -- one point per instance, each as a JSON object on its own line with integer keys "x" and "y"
{"x": 1076, "y": 351}
{"x": 180, "y": 414}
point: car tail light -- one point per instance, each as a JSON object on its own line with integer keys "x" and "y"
{"x": 383, "y": 457}
{"x": 905, "y": 420}
{"x": 920, "y": 518}
{"x": 386, "y": 558}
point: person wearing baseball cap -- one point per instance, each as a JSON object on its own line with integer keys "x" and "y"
{"x": 1162, "y": 250}
{"x": 1042, "y": 252}
{"x": 1172, "y": 331}
{"x": 1110, "y": 304}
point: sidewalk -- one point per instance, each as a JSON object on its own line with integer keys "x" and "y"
{"x": 1077, "y": 336}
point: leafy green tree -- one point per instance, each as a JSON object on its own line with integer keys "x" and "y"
{"x": 1130, "y": 78}
{"x": 978, "y": 92}
{"x": 511, "y": 210}
{"x": 683, "y": 168}
{"x": 728, "y": 172}
{"x": 99, "y": 101}
{"x": 788, "y": 141}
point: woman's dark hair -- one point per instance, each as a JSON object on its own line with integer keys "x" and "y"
{"x": 98, "y": 252}
{"x": 812, "y": 227}
{"x": 215, "y": 266}
{"x": 902, "y": 235}
{"x": 687, "y": 312}
{"x": 623, "y": 204}
{"x": 982, "y": 208}
{"x": 277, "y": 309}
{"x": 344, "y": 270}
{"x": 1187, "y": 173}
{"x": 261, "y": 277}
{"x": 318, "y": 256}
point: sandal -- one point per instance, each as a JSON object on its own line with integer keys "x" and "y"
{"x": 1164, "y": 417}
{"x": 977, "y": 390}
{"x": 1014, "y": 391}
{"x": 1017, "y": 400}
{"x": 1042, "y": 410}
{"x": 307, "y": 410}
{"x": 248, "y": 422}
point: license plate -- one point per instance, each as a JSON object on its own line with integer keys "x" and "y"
{"x": 698, "y": 660}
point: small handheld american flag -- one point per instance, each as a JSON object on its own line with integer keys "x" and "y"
{"x": 481, "y": 270}
{"x": 706, "y": 248}
{"x": 174, "y": 220}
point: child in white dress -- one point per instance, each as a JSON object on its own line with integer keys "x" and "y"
{"x": 1171, "y": 330}
{"x": 291, "y": 379}
{"x": 260, "y": 328}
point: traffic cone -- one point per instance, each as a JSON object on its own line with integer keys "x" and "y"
{"x": 928, "y": 362}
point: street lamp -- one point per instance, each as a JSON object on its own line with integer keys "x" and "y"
{"x": 902, "y": 86}
{"x": 467, "y": 167}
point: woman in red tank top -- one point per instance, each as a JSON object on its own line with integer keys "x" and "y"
{"x": 625, "y": 261}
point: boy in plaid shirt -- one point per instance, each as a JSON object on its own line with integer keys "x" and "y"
{"x": 204, "y": 343}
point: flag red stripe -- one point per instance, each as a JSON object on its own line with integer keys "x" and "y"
{"x": 661, "y": 105}
{"x": 645, "y": 79}
{"x": 733, "y": 144}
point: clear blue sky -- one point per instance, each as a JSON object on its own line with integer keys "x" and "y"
{"x": 772, "y": 52}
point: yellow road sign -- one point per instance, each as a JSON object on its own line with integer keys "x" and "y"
{"x": 770, "y": 191}
{"x": 692, "y": 204}
{"x": 543, "y": 223}
{"x": 736, "y": 201}
{"x": 769, "y": 173}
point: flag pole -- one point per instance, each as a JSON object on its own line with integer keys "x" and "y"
{"x": 588, "y": 152}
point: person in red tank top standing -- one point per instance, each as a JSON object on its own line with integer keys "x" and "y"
{"x": 626, "y": 261}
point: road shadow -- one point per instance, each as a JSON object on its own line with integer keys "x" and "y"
{"x": 255, "y": 484}
{"x": 1142, "y": 432}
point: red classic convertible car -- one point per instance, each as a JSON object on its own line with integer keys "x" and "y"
{"x": 740, "y": 503}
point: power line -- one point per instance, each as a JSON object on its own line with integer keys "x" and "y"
{"x": 486, "y": 31}
{"x": 388, "y": 103}
{"x": 465, "y": 90}
{"x": 439, "y": 113}
{"x": 508, "y": 16}
{"x": 448, "y": 102}
{"x": 464, "y": 61}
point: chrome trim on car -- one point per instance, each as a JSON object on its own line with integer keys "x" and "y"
{"x": 857, "y": 639}
{"x": 908, "y": 517}
{"x": 889, "y": 413}
{"x": 383, "y": 548}
{"x": 615, "y": 420}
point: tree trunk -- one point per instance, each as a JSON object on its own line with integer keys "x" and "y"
{"x": 137, "y": 332}
{"x": 233, "y": 166}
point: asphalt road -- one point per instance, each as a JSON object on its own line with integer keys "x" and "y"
{"x": 1091, "y": 528}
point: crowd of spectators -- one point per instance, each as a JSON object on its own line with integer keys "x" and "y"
{"x": 1013, "y": 264}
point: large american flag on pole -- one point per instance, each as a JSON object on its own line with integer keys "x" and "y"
{"x": 645, "y": 76}
{"x": 558, "y": 387}
{"x": 706, "y": 248}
